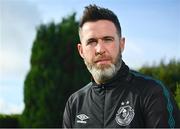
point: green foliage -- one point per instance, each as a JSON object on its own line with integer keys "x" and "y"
{"x": 56, "y": 72}
{"x": 9, "y": 121}
{"x": 177, "y": 94}
{"x": 168, "y": 73}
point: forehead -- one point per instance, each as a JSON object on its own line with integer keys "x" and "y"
{"x": 97, "y": 29}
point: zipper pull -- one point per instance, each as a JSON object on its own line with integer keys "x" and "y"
{"x": 103, "y": 87}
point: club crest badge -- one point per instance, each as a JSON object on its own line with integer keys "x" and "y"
{"x": 125, "y": 114}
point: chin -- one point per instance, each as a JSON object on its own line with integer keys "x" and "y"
{"x": 103, "y": 66}
{"x": 103, "y": 74}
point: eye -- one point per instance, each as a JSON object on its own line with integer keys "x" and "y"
{"x": 108, "y": 39}
{"x": 91, "y": 41}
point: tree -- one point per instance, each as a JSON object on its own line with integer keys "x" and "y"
{"x": 56, "y": 72}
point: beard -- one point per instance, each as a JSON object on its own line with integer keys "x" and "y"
{"x": 103, "y": 73}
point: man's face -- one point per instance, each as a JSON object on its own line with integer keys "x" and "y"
{"x": 101, "y": 48}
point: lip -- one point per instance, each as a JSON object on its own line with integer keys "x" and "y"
{"x": 102, "y": 61}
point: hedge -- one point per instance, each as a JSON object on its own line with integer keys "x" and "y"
{"x": 9, "y": 121}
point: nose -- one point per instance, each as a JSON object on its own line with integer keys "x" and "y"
{"x": 100, "y": 49}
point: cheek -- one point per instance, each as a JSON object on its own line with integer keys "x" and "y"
{"x": 88, "y": 55}
{"x": 114, "y": 50}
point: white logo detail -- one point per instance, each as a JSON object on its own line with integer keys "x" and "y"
{"x": 82, "y": 117}
{"x": 125, "y": 114}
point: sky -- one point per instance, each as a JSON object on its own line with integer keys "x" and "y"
{"x": 151, "y": 29}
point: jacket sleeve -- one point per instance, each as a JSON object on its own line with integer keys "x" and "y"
{"x": 67, "y": 116}
{"x": 161, "y": 110}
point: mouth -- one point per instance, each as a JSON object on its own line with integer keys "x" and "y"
{"x": 103, "y": 61}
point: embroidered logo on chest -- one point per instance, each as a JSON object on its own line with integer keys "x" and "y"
{"x": 125, "y": 114}
{"x": 82, "y": 118}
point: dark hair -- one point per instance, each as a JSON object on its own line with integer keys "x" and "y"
{"x": 95, "y": 13}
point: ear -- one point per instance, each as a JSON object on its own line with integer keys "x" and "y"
{"x": 80, "y": 50}
{"x": 122, "y": 44}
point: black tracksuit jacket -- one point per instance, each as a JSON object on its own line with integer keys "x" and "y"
{"x": 128, "y": 100}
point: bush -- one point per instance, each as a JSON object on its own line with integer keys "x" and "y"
{"x": 9, "y": 121}
{"x": 177, "y": 94}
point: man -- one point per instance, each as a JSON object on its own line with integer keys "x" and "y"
{"x": 116, "y": 97}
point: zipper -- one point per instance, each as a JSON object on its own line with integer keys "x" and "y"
{"x": 104, "y": 94}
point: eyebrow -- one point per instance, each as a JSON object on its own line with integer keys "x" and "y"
{"x": 107, "y": 37}
{"x": 91, "y": 39}
{"x": 104, "y": 37}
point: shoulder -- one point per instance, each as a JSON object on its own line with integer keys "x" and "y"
{"x": 147, "y": 83}
{"x": 151, "y": 89}
{"x": 156, "y": 100}
{"x": 81, "y": 93}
